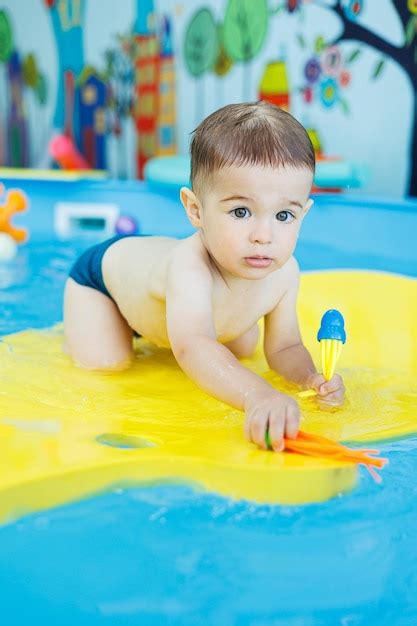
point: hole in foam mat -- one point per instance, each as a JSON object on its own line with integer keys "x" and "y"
{"x": 127, "y": 442}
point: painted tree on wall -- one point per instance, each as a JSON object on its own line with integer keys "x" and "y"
{"x": 80, "y": 109}
{"x": 200, "y": 50}
{"x": 22, "y": 74}
{"x": 405, "y": 56}
{"x": 67, "y": 20}
{"x": 121, "y": 79}
{"x": 244, "y": 30}
{"x": 217, "y": 46}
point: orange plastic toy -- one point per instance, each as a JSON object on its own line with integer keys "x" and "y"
{"x": 15, "y": 202}
{"x": 315, "y": 445}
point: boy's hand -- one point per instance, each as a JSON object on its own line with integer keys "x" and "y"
{"x": 330, "y": 392}
{"x": 272, "y": 411}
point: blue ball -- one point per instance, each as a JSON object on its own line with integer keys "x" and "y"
{"x": 126, "y": 225}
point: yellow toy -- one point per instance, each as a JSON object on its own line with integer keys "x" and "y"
{"x": 15, "y": 203}
{"x": 331, "y": 336}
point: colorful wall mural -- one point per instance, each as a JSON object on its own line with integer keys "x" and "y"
{"x": 154, "y": 102}
{"x": 22, "y": 74}
{"x": 331, "y": 63}
{"x": 327, "y": 70}
{"x": 137, "y": 78}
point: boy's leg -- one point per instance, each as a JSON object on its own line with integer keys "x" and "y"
{"x": 96, "y": 335}
{"x": 244, "y": 346}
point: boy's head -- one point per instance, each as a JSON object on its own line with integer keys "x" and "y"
{"x": 252, "y": 167}
{"x": 253, "y": 133}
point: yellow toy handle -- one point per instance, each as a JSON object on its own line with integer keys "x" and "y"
{"x": 331, "y": 336}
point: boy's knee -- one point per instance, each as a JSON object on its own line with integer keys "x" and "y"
{"x": 103, "y": 366}
{"x": 98, "y": 362}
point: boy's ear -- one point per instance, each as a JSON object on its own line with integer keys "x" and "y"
{"x": 308, "y": 206}
{"x": 191, "y": 205}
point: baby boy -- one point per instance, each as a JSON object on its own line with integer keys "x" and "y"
{"x": 252, "y": 168}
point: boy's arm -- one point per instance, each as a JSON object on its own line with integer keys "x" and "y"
{"x": 193, "y": 338}
{"x": 283, "y": 346}
{"x": 285, "y": 351}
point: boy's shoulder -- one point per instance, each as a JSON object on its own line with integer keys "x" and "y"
{"x": 189, "y": 257}
{"x": 191, "y": 252}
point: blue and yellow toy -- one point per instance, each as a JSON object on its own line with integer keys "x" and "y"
{"x": 332, "y": 336}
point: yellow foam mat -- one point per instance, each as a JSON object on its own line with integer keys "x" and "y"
{"x": 66, "y": 433}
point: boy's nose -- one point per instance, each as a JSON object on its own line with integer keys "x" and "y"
{"x": 262, "y": 233}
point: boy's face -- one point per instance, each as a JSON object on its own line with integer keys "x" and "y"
{"x": 250, "y": 216}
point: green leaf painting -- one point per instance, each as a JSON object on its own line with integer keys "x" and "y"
{"x": 410, "y": 30}
{"x": 30, "y": 71}
{"x": 223, "y": 62}
{"x": 41, "y": 90}
{"x": 6, "y": 37}
{"x": 354, "y": 55}
{"x": 245, "y": 26}
{"x": 378, "y": 69}
{"x": 301, "y": 40}
{"x": 344, "y": 105}
{"x": 201, "y": 43}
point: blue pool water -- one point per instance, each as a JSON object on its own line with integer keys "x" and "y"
{"x": 168, "y": 555}
{"x": 172, "y": 556}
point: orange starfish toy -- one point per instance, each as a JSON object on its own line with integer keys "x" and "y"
{"x": 15, "y": 202}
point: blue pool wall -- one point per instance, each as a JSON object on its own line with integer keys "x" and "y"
{"x": 341, "y": 230}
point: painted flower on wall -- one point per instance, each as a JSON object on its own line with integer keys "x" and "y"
{"x": 332, "y": 61}
{"x": 289, "y": 6}
{"x": 293, "y": 5}
{"x": 327, "y": 71}
{"x": 320, "y": 44}
{"x": 352, "y": 8}
{"x": 308, "y": 95}
{"x": 312, "y": 70}
{"x": 412, "y": 6}
{"x": 326, "y": 75}
{"x": 344, "y": 78}
{"x": 329, "y": 92}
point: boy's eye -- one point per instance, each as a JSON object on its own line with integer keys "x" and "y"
{"x": 240, "y": 212}
{"x": 285, "y": 216}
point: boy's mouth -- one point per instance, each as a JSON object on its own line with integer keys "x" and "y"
{"x": 258, "y": 261}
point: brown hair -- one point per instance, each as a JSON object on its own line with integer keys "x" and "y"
{"x": 249, "y": 133}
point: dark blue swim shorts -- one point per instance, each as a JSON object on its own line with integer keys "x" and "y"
{"x": 87, "y": 270}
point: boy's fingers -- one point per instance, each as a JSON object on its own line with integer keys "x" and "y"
{"x": 246, "y": 427}
{"x": 292, "y": 422}
{"x": 335, "y": 396}
{"x": 317, "y": 381}
{"x": 331, "y": 399}
{"x": 258, "y": 427}
{"x": 335, "y": 384}
{"x": 276, "y": 431}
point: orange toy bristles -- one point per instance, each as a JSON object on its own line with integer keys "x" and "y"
{"x": 315, "y": 445}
